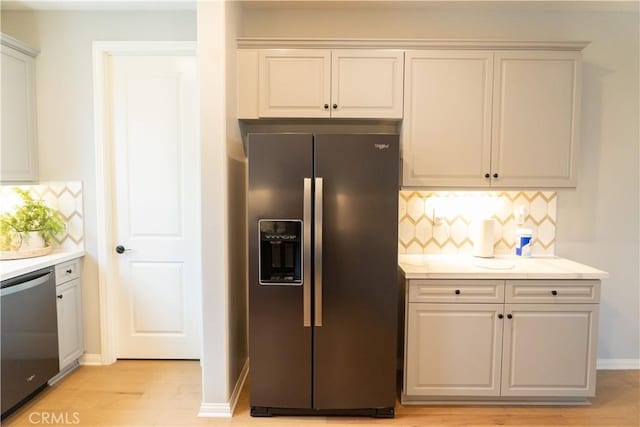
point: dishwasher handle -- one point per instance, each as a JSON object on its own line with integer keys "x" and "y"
{"x": 23, "y": 286}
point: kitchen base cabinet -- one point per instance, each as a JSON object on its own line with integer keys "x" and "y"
{"x": 505, "y": 351}
{"x": 550, "y": 350}
{"x": 70, "y": 337}
{"x": 69, "y": 309}
{"x": 453, "y": 349}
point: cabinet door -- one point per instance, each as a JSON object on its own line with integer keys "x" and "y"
{"x": 550, "y": 350}
{"x": 19, "y": 149}
{"x": 447, "y": 118}
{"x": 366, "y": 83}
{"x": 535, "y": 118}
{"x": 453, "y": 349}
{"x": 70, "y": 334}
{"x": 294, "y": 83}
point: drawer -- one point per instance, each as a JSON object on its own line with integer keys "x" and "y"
{"x": 67, "y": 271}
{"x": 553, "y": 291}
{"x": 472, "y": 291}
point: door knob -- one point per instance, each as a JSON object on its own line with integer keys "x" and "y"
{"x": 121, "y": 249}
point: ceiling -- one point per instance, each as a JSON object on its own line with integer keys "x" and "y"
{"x": 137, "y": 5}
{"x": 141, "y": 5}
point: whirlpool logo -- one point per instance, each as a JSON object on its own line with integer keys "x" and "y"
{"x": 381, "y": 146}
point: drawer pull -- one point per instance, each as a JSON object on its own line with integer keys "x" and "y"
{"x": 457, "y": 291}
{"x": 60, "y": 296}
{"x": 554, "y": 292}
{"x": 500, "y": 316}
{"x": 509, "y": 316}
{"x": 69, "y": 271}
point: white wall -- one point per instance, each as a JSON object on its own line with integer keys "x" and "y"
{"x": 225, "y": 348}
{"x": 237, "y": 207}
{"x": 65, "y": 104}
{"x": 215, "y": 275}
{"x": 597, "y": 222}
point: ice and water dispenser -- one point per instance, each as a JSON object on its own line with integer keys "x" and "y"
{"x": 280, "y": 252}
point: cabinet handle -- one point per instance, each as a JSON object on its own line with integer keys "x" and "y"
{"x": 60, "y": 296}
{"x": 457, "y": 291}
{"x": 509, "y": 316}
{"x": 495, "y": 175}
{"x": 486, "y": 175}
{"x": 554, "y": 292}
{"x": 69, "y": 271}
{"x": 326, "y": 106}
{"x": 335, "y": 106}
{"x": 500, "y": 316}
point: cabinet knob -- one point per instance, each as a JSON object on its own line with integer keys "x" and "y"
{"x": 486, "y": 175}
{"x": 457, "y": 291}
{"x": 335, "y": 106}
{"x": 554, "y": 292}
{"x": 326, "y": 106}
{"x": 69, "y": 271}
{"x": 495, "y": 175}
{"x": 60, "y": 296}
{"x": 509, "y": 316}
{"x": 500, "y": 316}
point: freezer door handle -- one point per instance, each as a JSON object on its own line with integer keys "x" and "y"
{"x": 306, "y": 251}
{"x": 318, "y": 253}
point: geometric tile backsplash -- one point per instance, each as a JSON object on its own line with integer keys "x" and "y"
{"x": 66, "y": 197}
{"x": 440, "y": 222}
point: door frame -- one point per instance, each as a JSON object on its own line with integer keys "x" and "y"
{"x": 105, "y": 214}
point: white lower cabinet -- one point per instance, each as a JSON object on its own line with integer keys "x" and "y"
{"x": 550, "y": 350}
{"x": 453, "y": 349}
{"x": 500, "y": 351}
{"x": 69, "y": 309}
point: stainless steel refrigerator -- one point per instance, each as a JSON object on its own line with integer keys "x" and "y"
{"x": 323, "y": 298}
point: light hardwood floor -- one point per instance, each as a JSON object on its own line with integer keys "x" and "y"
{"x": 167, "y": 393}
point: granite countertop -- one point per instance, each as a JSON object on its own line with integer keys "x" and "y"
{"x": 16, "y": 267}
{"x": 499, "y": 267}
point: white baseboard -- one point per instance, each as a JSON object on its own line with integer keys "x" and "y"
{"x": 91, "y": 359}
{"x": 225, "y": 410}
{"x": 618, "y": 364}
{"x": 218, "y": 410}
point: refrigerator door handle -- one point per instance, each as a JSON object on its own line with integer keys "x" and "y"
{"x": 318, "y": 252}
{"x": 306, "y": 251}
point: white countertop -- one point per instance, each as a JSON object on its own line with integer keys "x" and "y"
{"x": 499, "y": 267}
{"x": 16, "y": 267}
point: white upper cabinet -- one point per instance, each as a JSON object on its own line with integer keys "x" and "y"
{"x": 19, "y": 144}
{"x": 447, "y": 118}
{"x": 536, "y": 104}
{"x": 316, "y": 83}
{"x": 504, "y": 118}
{"x": 294, "y": 83}
{"x": 366, "y": 83}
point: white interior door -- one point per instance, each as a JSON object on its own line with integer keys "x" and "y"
{"x": 154, "y": 121}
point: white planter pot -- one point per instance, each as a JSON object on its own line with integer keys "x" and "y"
{"x": 31, "y": 240}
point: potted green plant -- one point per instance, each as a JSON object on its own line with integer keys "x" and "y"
{"x": 32, "y": 225}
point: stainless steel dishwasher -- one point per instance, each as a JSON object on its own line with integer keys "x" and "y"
{"x": 29, "y": 343}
